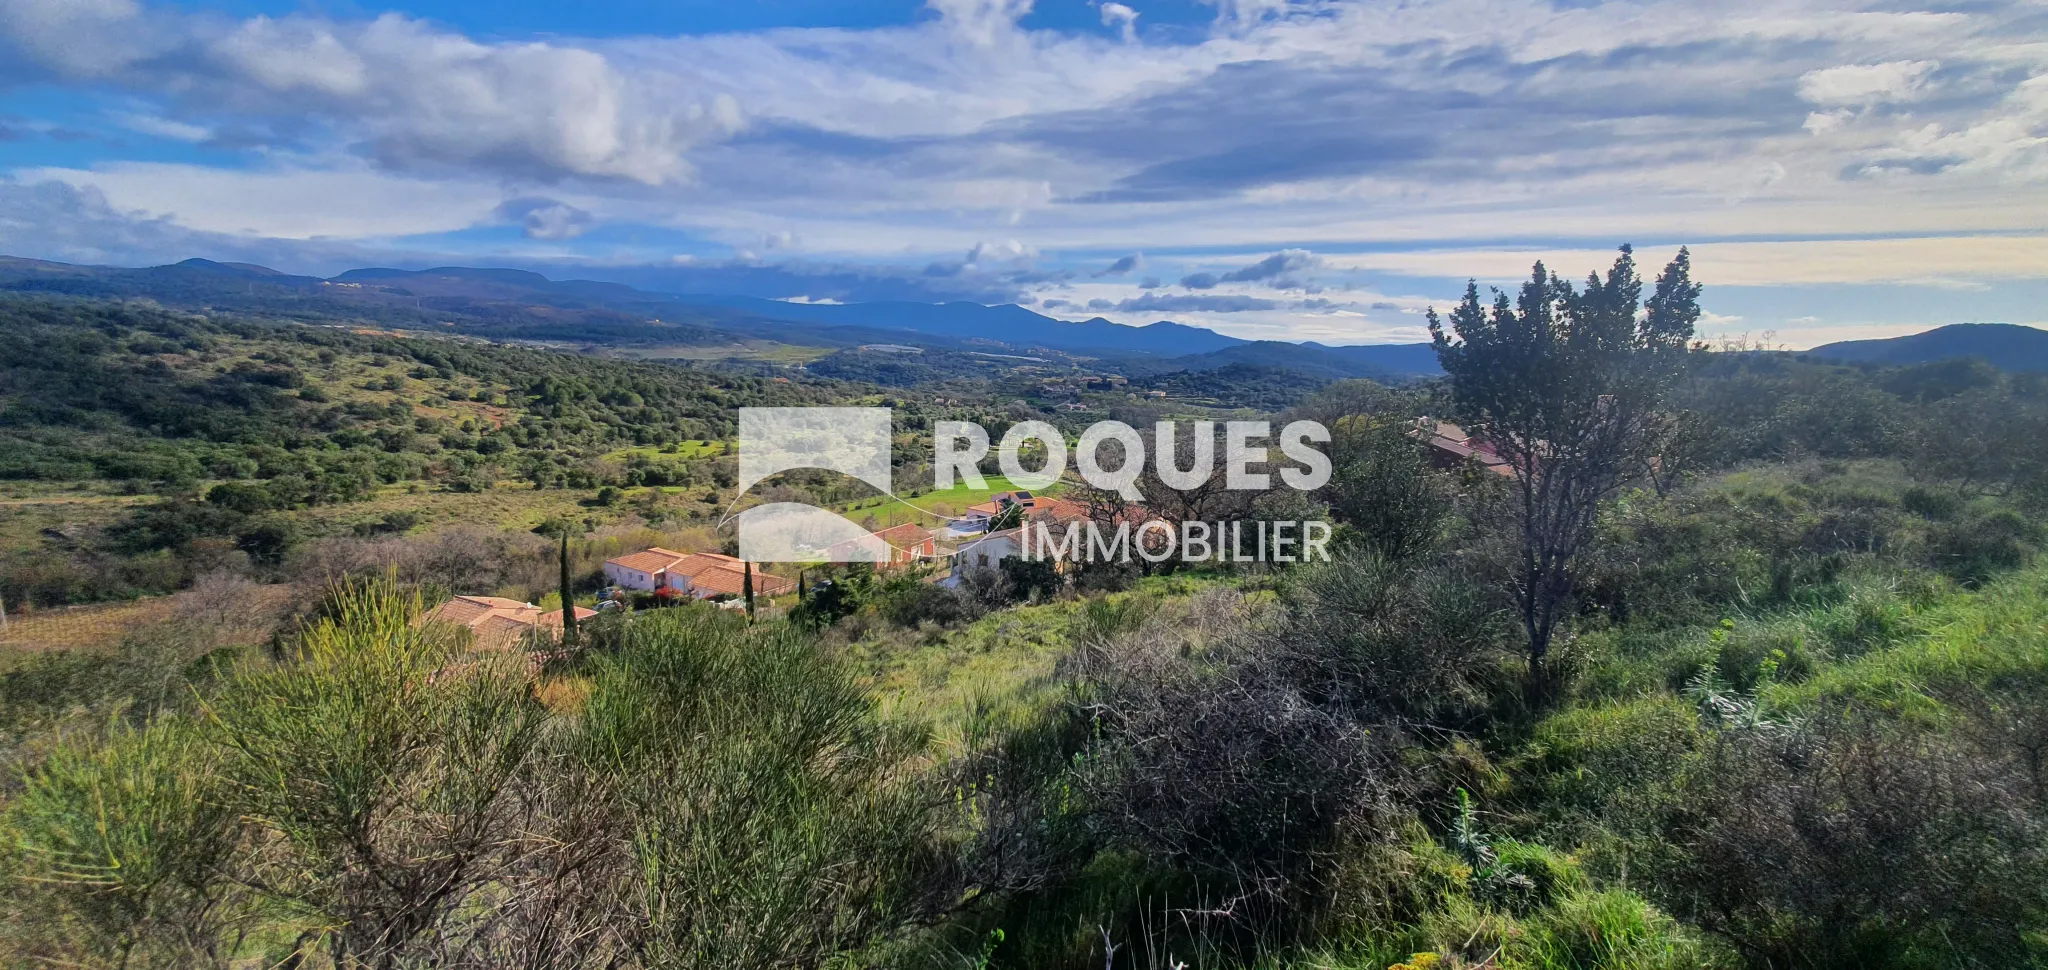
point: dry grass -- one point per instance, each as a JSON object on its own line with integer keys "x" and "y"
{"x": 564, "y": 695}
{"x": 83, "y": 627}
{"x": 235, "y": 609}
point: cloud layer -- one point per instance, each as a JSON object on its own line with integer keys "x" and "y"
{"x": 1307, "y": 167}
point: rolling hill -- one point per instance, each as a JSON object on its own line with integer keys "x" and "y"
{"x": 2006, "y": 346}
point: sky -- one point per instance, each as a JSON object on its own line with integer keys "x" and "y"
{"x": 1271, "y": 169}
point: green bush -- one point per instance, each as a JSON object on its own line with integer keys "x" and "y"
{"x": 771, "y": 818}
{"x": 1982, "y": 546}
{"x": 118, "y": 849}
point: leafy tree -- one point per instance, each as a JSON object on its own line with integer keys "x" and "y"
{"x": 1567, "y": 385}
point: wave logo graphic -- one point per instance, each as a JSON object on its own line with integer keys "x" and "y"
{"x": 851, "y": 441}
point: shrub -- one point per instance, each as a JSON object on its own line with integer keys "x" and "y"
{"x": 1982, "y": 546}
{"x": 1842, "y": 843}
{"x": 377, "y": 771}
{"x": 122, "y": 843}
{"x": 1368, "y": 631}
{"x": 1223, "y": 766}
{"x": 770, "y": 815}
{"x": 1931, "y": 503}
{"x": 912, "y": 601}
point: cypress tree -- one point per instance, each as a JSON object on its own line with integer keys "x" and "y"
{"x": 568, "y": 596}
{"x": 747, "y": 589}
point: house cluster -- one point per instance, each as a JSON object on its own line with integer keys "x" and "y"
{"x": 977, "y": 518}
{"x": 990, "y": 549}
{"x": 698, "y": 575}
{"x": 497, "y": 623}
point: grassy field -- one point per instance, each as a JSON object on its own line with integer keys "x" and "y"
{"x": 887, "y": 511}
{"x": 998, "y": 667}
{"x": 78, "y": 627}
{"x": 683, "y": 450}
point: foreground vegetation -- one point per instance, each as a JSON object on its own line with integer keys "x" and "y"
{"x": 1794, "y": 714}
{"x": 1329, "y": 767}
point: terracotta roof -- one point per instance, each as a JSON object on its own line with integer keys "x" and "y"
{"x": 727, "y": 580}
{"x": 497, "y": 622}
{"x": 649, "y": 561}
{"x": 468, "y": 610}
{"x": 1458, "y": 443}
{"x": 1059, "y": 509}
{"x": 552, "y": 619}
{"x": 499, "y": 632}
{"x": 692, "y": 565}
{"x": 907, "y": 534}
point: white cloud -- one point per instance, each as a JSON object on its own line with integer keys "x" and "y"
{"x": 980, "y": 22}
{"x": 1866, "y": 84}
{"x": 283, "y": 203}
{"x": 77, "y": 37}
{"x": 415, "y": 96}
{"x": 1911, "y": 261}
{"x": 1004, "y": 251}
{"x": 546, "y": 219}
{"x": 1122, "y": 19}
{"x": 163, "y": 127}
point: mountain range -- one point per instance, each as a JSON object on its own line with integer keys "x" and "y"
{"x": 522, "y": 305}
{"x": 511, "y": 304}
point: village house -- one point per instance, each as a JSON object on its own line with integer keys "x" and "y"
{"x": 988, "y": 551}
{"x": 976, "y": 518}
{"x": 1451, "y": 447}
{"x": 699, "y": 575}
{"x": 497, "y": 623}
{"x": 907, "y": 543}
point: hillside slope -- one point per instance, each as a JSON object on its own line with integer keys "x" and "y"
{"x": 2007, "y": 346}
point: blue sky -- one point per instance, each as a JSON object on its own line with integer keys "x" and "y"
{"x": 1293, "y": 169}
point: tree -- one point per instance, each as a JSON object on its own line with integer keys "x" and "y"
{"x": 1568, "y": 386}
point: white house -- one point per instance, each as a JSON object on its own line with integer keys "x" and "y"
{"x": 644, "y": 570}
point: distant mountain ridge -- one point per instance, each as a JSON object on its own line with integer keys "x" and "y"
{"x": 1008, "y": 323}
{"x": 2007, "y": 346}
{"x": 520, "y": 304}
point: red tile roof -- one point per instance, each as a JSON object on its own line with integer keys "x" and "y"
{"x": 498, "y": 623}
{"x": 904, "y": 536}
{"x": 727, "y": 580}
{"x": 649, "y": 561}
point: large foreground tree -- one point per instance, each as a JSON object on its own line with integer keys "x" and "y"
{"x": 1569, "y": 388}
